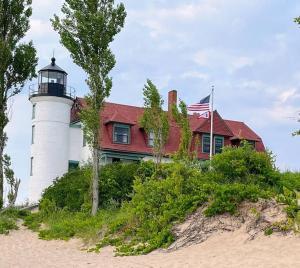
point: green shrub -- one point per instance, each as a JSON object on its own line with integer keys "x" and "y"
{"x": 8, "y": 219}
{"x": 72, "y": 191}
{"x": 7, "y": 224}
{"x": 227, "y": 197}
{"x": 290, "y": 180}
{"x": 244, "y": 164}
{"x": 116, "y": 181}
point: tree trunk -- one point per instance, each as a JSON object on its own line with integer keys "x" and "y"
{"x": 95, "y": 180}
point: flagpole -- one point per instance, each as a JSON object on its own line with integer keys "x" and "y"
{"x": 211, "y": 123}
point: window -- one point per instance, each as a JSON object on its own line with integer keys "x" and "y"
{"x": 33, "y": 134}
{"x": 219, "y": 144}
{"x": 44, "y": 77}
{"x": 151, "y": 139}
{"x": 73, "y": 165}
{"x": 56, "y": 77}
{"x": 31, "y": 166}
{"x": 121, "y": 134}
{"x": 33, "y": 111}
{"x": 206, "y": 144}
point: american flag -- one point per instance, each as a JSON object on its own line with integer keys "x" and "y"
{"x": 202, "y": 106}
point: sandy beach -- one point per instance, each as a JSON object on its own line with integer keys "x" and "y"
{"x": 231, "y": 249}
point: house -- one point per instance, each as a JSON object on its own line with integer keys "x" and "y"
{"x": 123, "y": 139}
{"x": 58, "y": 143}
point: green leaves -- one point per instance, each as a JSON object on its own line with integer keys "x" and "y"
{"x": 86, "y": 30}
{"x": 182, "y": 119}
{"x": 18, "y": 62}
{"x": 154, "y": 119}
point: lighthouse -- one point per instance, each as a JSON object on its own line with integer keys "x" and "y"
{"x": 52, "y": 101}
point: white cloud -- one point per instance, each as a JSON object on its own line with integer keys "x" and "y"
{"x": 161, "y": 21}
{"x": 195, "y": 74}
{"x": 288, "y": 94}
{"x": 241, "y": 62}
{"x": 40, "y": 28}
{"x": 218, "y": 58}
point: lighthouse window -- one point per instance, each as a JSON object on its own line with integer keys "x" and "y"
{"x": 33, "y": 134}
{"x": 45, "y": 76}
{"x": 31, "y": 166}
{"x": 55, "y": 77}
{"x": 33, "y": 111}
{"x": 121, "y": 134}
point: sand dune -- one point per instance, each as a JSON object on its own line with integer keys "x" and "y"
{"x": 231, "y": 249}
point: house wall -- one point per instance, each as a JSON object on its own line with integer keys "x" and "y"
{"x": 76, "y": 141}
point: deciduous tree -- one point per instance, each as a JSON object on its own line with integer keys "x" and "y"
{"x": 17, "y": 62}
{"x": 155, "y": 120}
{"x": 86, "y": 30}
{"x": 182, "y": 119}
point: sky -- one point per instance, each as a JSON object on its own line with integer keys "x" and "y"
{"x": 247, "y": 49}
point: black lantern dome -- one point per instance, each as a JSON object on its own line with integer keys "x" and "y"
{"x": 52, "y": 82}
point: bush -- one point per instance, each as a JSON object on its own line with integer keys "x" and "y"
{"x": 227, "y": 197}
{"x": 8, "y": 219}
{"x": 290, "y": 180}
{"x": 116, "y": 181}
{"x": 72, "y": 191}
{"x": 244, "y": 164}
{"x": 7, "y": 224}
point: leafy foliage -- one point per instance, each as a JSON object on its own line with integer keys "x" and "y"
{"x": 8, "y": 219}
{"x": 72, "y": 191}
{"x": 155, "y": 120}
{"x": 12, "y": 181}
{"x": 165, "y": 196}
{"x": 182, "y": 119}
{"x": 18, "y": 62}
{"x": 244, "y": 164}
{"x": 87, "y": 29}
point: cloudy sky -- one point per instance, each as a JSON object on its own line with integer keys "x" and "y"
{"x": 248, "y": 49}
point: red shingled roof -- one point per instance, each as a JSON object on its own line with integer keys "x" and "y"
{"x": 119, "y": 113}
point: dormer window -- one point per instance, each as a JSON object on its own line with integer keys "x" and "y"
{"x": 121, "y": 134}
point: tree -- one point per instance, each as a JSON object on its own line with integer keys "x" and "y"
{"x": 88, "y": 28}
{"x": 17, "y": 64}
{"x": 182, "y": 119}
{"x": 12, "y": 181}
{"x": 155, "y": 120}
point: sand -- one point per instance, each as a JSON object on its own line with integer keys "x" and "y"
{"x": 22, "y": 248}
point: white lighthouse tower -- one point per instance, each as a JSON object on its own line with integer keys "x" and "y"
{"x": 51, "y": 105}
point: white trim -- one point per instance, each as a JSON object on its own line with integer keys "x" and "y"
{"x": 51, "y": 99}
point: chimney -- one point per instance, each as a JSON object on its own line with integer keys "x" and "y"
{"x": 172, "y": 99}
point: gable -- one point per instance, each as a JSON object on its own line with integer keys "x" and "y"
{"x": 219, "y": 126}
